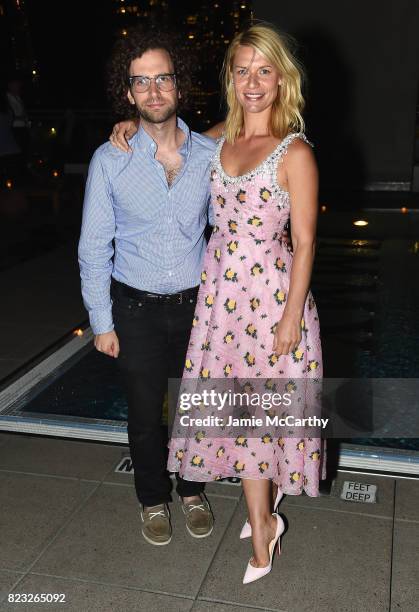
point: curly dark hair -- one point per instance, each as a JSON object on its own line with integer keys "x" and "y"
{"x": 136, "y": 42}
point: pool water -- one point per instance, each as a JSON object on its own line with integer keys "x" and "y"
{"x": 364, "y": 284}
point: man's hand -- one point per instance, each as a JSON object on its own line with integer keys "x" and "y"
{"x": 107, "y": 343}
{"x": 121, "y": 133}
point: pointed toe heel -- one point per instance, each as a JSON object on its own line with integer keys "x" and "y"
{"x": 254, "y": 573}
{"x": 246, "y": 531}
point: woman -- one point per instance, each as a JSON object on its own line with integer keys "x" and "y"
{"x": 255, "y": 316}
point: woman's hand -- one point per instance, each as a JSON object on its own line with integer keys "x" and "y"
{"x": 287, "y": 335}
{"x": 121, "y": 133}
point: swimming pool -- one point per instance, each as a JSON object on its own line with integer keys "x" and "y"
{"x": 364, "y": 283}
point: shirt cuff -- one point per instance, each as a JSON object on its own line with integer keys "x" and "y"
{"x": 101, "y": 321}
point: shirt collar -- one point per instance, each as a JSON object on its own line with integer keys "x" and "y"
{"x": 146, "y": 143}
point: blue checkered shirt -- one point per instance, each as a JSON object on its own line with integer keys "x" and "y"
{"x": 138, "y": 229}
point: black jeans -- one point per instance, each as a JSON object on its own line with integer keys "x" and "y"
{"x": 153, "y": 340}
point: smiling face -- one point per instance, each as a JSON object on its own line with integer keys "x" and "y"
{"x": 255, "y": 78}
{"x": 154, "y": 105}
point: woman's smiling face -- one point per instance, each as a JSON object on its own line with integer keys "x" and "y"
{"x": 255, "y": 78}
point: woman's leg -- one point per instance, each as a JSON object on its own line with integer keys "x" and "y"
{"x": 258, "y": 500}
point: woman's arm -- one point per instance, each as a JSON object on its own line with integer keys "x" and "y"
{"x": 215, "y": 131}
{"x": 122, "y": 132}
{"x": 302, "y": 178}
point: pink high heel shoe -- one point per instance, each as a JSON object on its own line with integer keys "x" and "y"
{"x": 254, "y": 573}
{"x": 246, "y": 531}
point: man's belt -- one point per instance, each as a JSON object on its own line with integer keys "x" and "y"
{"x": 142, "y": 297}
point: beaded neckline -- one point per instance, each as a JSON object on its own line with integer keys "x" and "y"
{"x": 265, "y": 166}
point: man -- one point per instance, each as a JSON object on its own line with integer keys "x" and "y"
{"x": 154, "y": 205}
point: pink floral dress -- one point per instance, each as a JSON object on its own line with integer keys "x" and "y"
{"x": 243, "y": 291}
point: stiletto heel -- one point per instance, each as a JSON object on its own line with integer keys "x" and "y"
{"x": 246, "y": 531}
{"x": 254, "y": 573}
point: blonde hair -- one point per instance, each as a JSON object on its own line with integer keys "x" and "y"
{"x": 289, "y": 103}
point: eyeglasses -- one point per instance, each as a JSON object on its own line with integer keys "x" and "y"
{"x": 140, "y": 84}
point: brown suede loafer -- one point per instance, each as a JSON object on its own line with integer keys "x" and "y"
{"x": 199, "y": 518}
{"x": 156, "y": 527}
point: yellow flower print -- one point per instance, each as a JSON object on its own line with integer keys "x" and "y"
{"x": 232, "y": 226}
{"x": 266, "y": 439}
{"x": 241, "y": 441}
{"x": 241, "y": 196}
{"x": 195, "y": 321}
{"x": 209, "y": 300}
{"x": 280, "y": 265}
{"x": 197, "y": 461}
{"x": 206, "y": 346}
{"x": 205, "y": 373}
{"x": 251, "y": 330}
{"x": 230, "y": 275}
{"x": 220, "y": 452}
{"x": 312, "y": 365}
{"x": 291, "y": 386}
{"x": 230, "y": 305}
{"x": 270, "y": 385}
{"x": 203, "y": 277}
{"x": 281, "y": 443}
{"x": 256, "y": 269}
{"x": 179, "y": 454}
{"x": 303, "y": 325}
{"x": 239, "y": 466}
{"x": 254, "y": 303}
{"x": 272, "y": 359}
{"x": 301, "y": 445}
{"x": 200, "y": 435}
{"x": 255, "y": 221}
{"x": 263, "y": 466}
{"x": 315, "y": 455}
{"x": 189, "y": 364}
{"x": 295, "y": 477}
{"x": 249, "y": 359}
{"x": 217, "y": 254}
{"x": 279, "y": 296}
{"x": 297, "y": 355}
{"x": 229, "y": 337}
{"x": 221, "y": 201}
{"x": 248, "y": 388}
{"x": 232, "y": 246}
{"x": 228, "y": 369}
{"x": 265, "y": 194}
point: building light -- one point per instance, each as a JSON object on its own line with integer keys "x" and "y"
{"x": 55, "y": 174}
{"x": 404, "y": 210}
{"x": 9, "y": 184}
{"x": 124, "y": 32}
{"x": 360, "y": 222}
{"x": 242, "y": 6}
{"x": 323, "y": 208}
{"x": 122, "y": 10}
{"x": 53, "y": 131}
{"x": 191, "y": 36}
{"x": 34, "y": 72}
{"x": 226, "y": 41}
{"x": 78, "y": 332}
